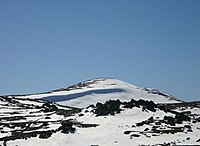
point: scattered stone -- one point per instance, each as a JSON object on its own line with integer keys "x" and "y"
{"x": 127, "y": 132}
{"x": 188, "y": 138}
{"x": 45, "y": 134}
{"x": 189, "y": 130}
{"x": 180, "y": 117}
{"x": 169, "y": 120}
{"x": 110, "y": 107}
{"x": 80, "y": 115}
{"x": 188, "y": 127}
{"x": 135, "y": 135}
{"x": 49, "y": 107}
{"x": 67, "y": 127}
{"x": 86, "y": 111}
{"x": 158, "y": 123}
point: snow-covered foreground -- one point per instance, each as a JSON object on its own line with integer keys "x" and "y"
{"x": 121, "y": 130}
{"x": 40, "y": 123}
{"x": 104, "y": 112}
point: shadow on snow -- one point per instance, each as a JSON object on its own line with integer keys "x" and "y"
{"x": 58, "y": 98}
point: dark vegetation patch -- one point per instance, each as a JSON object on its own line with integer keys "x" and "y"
{"x": 112, "y": 107}
{"x": 81, "y": 125}
{"x": 156, "y": 91}
{"x": 147, "y": 122}
{"x": 167, "y": 124}
{"x": 78, "y": 86}
{"x": 12, "y": 118}
{"x": 87, "y": 125}
{"x": 173, "y": 130}
{"x": 39, "y": 127}
{"x": 128, "y": 132}
{"x": 21, "y": 126}
{"x": 69, "y": 112}
{"x": 183, "y": 105}
{"x": 67, "y": 127}
{"x": 135, "y": 135}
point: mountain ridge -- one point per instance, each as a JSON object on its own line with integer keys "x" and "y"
{"x": 96, "y": 90}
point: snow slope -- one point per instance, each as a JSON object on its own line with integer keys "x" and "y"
{"x": 100, "y": 90}
{"x": 121, "y": 129}
{"x": 31, "y": 120}
{"x": 112, "y": 129}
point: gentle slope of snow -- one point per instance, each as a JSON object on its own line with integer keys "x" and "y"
{"x": 101, "y": 90}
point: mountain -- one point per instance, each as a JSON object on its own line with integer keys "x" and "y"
{"x": 100, "y": 90}
{"x": 98, "y": 112}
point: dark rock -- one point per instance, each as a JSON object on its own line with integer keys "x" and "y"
{"x": 45, "y": 134}
{"x": 135, "y": 135}
{"x": 148, "y": 136}
{"x": 149, "y": 105}
{"x": 189, "y": 130}
{"x": 169, "y": 120}
{"x": 188, "y": 127}
{"x": 154, "y": 128}
{"x": 87, "y": 125}
{"x": 49, "y": 107}
{"x": 158, "y": 123}
{"x": 130, "y": 104}
{"x": 148, "y": 121}
{"x": 140, "y": 124}
{"x": 162, "y": 107}
{"x": 166, "y": 144}
{"x": 194, "y": 121}
{"x": 180, "y": 117}
{"x": 198, "y": 119}
{"x": 92, "y": 106}
{"x": 80, "y": 115}
{"x": 127, "y": 132}
{"x": 188, "y": 138}
{"x": 99, "y": 104}
{"x": 108, "y": 108}
{"x": 67, "y": 127}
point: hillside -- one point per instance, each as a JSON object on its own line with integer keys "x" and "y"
{"x": 100, "y": 112}
{"x": 100, "y": 90}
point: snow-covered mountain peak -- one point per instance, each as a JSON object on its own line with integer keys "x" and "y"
{"x": 92, "y": 91}
{"x": 102, "y": 83}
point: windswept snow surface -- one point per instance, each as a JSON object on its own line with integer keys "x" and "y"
{"x": 117, "y": 130}
{"x": 124, "y": 116}
{"x": 31, "y": 121}
{"x": 112, "y": 129}
{"x": 101, "y": 90}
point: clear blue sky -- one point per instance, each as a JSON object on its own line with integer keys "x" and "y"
{"x": 49, "y": 44}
